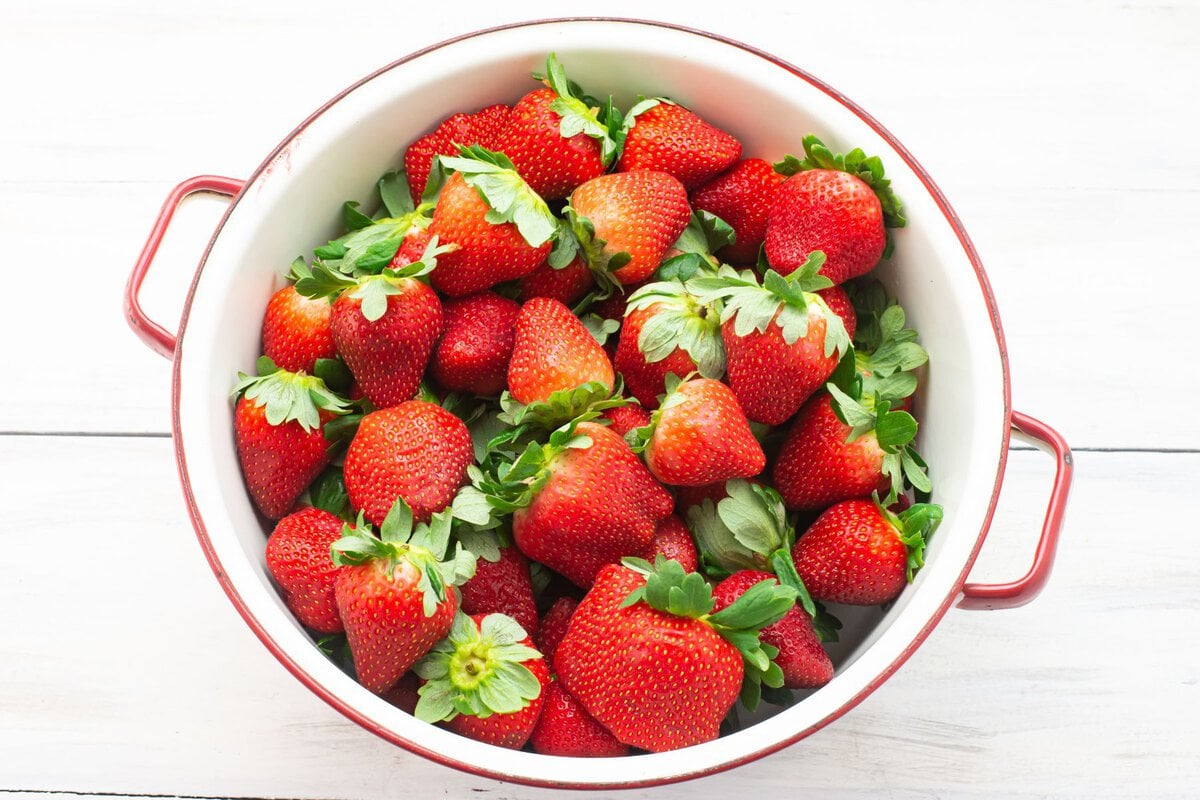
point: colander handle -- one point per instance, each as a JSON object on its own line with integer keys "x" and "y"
{"x": 1021, "y": 591}
{"x": 156, "y": 337}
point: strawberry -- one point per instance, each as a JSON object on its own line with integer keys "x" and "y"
{"x": 858, "y": 437}
{"x": 626, "y": 223}
{"x": 555, "y": 141}
{"x": 296, "y": 331}
{"x": 404, "y": 694}
{"x": 748, "y": 532}
{"x": 458, "y": 130}
{"x": 839, "y": 303}
{"x": 662, "y": 680}
{"x": 626, "y": 418}
{"x": 861, "y": 554}
{"x": 742, "y": 198}
{"x": 822, "y": 461}
{"x": 803, "y": 660}
{"x": 497, "y": 227}
{"x": 781, "y": 340}
{"x": 838, "y": 204}
{"x": 502, "y": 586}
{"x": 700, "y": 436}
{"x": 394, "y": 594}
{"x": 673, "y": 540}
{"x": 417, "y": 451}
{"x": 384, "y": 325}
{"x": 477, "y": 342}
{"x": 279, "y": 425}
{"x": 667, "y": 332}
{"x": 484, "y": 680}
{"x": 567, "y": 729}
{"x": 298, "y": 560}
{"x": 553, "y": 626}
{"x": 580, "y": 501}
{"x": 662, "y": 135}
{"x": 566, "y": 285}
{"x": 689, "y": 496}
{"x": 553, "y": 352}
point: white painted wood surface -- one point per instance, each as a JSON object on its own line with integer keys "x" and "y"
{"x": 1063, "y": 133}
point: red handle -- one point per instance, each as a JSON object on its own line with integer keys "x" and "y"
{"x": 1021, "y": 591}
{"x": 156, "y": 337}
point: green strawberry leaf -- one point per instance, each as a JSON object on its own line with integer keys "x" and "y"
{"x": 681, "y": 322}
{"x": 354, "y": 219}
{"x": 471, "y": 506}
{"x": 576, "y": 115}
{"x": 328, "y": 492}
{"x": 600, "y": 329}
{"x": 477, "y": 671}
{"x": 395, "y": 194}
{"x": 826, "y": 625}
{"x": 335, "y": 374}
{"x": 321, "y": 280}
{"x": 483, "y": 544}
{"x": 290, "y": 396}
{"x": 913, "y": 527}
{"x": 511, "y": 199}
{"x": 785, "y": 569}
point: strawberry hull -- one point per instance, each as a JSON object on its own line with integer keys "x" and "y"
{"x": 284, "y": 208}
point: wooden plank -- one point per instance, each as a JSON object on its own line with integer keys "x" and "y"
{"x": 127, "y": 670}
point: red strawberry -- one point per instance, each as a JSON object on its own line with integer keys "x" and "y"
{"x": 566, "y": 285}
{"x": 742, "y": 198}
{"x": 581, "y": 501}
{"x": 567, "y": 729}
{"x": 837, "y": 204}
{"x": 781, "y": 341}
{"x": 495, "y": 226}
{"x": 296, "y": 330}
{"x": 554, "y": 626}
{"x": 393, "y": 595}
{"x": 412, "y": 249}
{"x": 843, "y": 446}
{"x": 673, "y": 540}
{"x": 667, "y": 332}
{"x": 803, "y": 660}
{"x": 701, "y": 436}
{"x": 555, "y": 141}
{"x": 279, "y": 425}
{"x": 502, "y": 586}
{"x": 476, "y": 344}
{"x": 626, "y": 418}
{"x": 484, "y": 680}
{"x": 385, "y": 327}
{"x": 404, "y": 694}
{"x": 839, "y": 303}
{"x": 816, "y": 465}
{"x": 459, "y": 130}
{"x": 660, "y": 680}
{"x": 416, "y": 450}
{"x": 627, "y": 222}
{"x": 553, "y": 352}
{"x": 667, "y": 137}
{"x": 860, "y": 554}
{"x": 688, "y": 496}
{"x": 298, "y": 559}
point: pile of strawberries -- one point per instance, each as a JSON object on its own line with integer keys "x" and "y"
{"x": 569, "y": 443}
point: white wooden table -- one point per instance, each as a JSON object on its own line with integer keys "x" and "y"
{"x": 1063, "y": 132}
